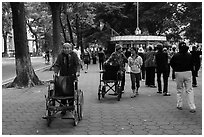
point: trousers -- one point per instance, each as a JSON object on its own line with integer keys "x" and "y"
{"x": 183, "y": 81}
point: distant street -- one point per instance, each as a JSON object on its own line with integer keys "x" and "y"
{"x": 9, "y": 69}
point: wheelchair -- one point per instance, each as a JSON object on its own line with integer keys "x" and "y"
{"x": 110, "y": 80}
{"x": 64, "y": 88}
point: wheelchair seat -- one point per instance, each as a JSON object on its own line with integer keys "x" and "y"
{"x": 64, "y": 86}
{"x": 110, "y": 72}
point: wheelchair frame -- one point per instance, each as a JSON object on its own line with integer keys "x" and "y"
{"x": 54, "y": 105}
{"x": 106, "y": 83}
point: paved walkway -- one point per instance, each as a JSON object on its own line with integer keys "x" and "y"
{"x": 147, "y": 114}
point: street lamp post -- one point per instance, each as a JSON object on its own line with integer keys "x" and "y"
{"x": 137, "y": 31}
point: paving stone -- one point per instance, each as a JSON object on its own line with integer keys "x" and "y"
{"x": 152, "y": 127}
{"x": 110, "y": 132}
{"x": 96, "y": 133}
{"x": 186, "y": 131}
{"x": 178, "y": 127}
{"x": 140, "y": 132}
{"x": 170, "y": 132}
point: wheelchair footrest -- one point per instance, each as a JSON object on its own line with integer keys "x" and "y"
{"x": 47, "y": 117}
{"x": 54, "y": 108}
{"x": 58, "y": 98}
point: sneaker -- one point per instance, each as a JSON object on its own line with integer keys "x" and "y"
{"x": 179, "y": 108}
{"x": 195, "y": 86}
{"x": 192, "y": 110}
{"x": 166, "y": 94}
{"x": 159, "y": 92}
{"x": 134, "y": 95}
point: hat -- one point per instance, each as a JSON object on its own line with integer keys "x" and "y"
{"x": 141, "y": 50}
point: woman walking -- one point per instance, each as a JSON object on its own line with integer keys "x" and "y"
{"x": 135, "y": 62}
{"x": 150, "y": 66}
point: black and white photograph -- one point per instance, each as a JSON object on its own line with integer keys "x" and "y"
{"x": 101, "y": 68}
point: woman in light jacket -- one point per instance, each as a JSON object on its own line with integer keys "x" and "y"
{"x": 135, "y": 62}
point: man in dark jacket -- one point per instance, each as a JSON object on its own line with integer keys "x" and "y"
{"x": 196, "y": 64}
{"x": 67, "y": 64}
{"x": 162, "y": 68}
{"x": 182, "y": 64}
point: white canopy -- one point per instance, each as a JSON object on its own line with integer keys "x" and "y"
{"x": 138, "y": 38}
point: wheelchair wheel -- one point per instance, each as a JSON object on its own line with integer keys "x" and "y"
{"x": 49, "y": 120}
{"x": 118, "y": 90}
{"x": 99, "y": 92}
{"x": 103, "y": 91}
{"x": 81, "y": 106}
{"x": 76, "y": 118}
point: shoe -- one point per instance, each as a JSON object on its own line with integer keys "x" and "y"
{"x": 195, "y": 86}
{"x": 159, "y": 92}
{"x": 133, "y": 96}
{"x": 63, "y": 113}
{"x": 137, "y": 93}
{"x": 152, "y": 86}
{"x": 166, "y": 94}
{"x": 192, "y": 110}
{"x": 85, "y": 71}
{"x": 179, "y": 108}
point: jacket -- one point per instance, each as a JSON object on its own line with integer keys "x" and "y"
{"x": 162, "y": 61}
{"x": 149, "y": 59}
{"x": 67, "y": 64}
{"x": 181, "y": 62}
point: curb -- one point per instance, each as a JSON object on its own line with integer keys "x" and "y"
{"x": 11, "y": 79}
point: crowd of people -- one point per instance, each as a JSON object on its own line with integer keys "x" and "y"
{"x": 142, "y": 64}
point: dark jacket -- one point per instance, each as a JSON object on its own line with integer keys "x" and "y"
{"x": 162, "y": 61}
{"x": 149, "y": 59}
{"x": 67, "y": 65}
{"x": 196, "y": 59}
{"x": 181, "y": 62}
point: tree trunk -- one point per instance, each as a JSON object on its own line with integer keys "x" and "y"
{"x": 5, "y": 45}
{"x": 55, "y": 9}
{"x": 26, "y": 76}
{"x": 70, "y": 29}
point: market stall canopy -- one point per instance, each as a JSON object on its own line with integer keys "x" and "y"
{"x": 138, "y": 38}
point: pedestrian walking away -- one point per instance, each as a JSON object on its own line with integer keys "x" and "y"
{"x": 87, "y": 59}
{"x": 135, "y": 62}
{"x": 162, "y": 69}
{"x": 182, "y": 64}
{"x": 150, "y": 67}
{"x": 196, "y": 64}
{"x": 101, "y": 58}
{"x": 67, "y": 64}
